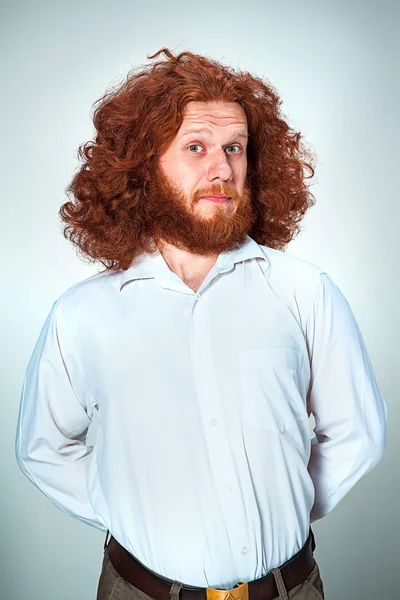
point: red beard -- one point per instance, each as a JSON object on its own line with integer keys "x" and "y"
{"x": 170, "y": 220}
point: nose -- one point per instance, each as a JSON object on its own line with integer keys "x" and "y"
{"x": 219, "y": 167}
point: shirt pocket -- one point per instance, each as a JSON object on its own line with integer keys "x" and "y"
{"x": 270, "y": 396}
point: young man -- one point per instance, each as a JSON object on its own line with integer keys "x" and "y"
{"x": 203, "y": 345}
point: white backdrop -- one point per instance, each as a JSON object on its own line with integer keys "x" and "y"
{"x": 335, "y": 65}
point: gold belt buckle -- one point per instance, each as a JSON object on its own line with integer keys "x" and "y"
{"x": 239, "y": 592}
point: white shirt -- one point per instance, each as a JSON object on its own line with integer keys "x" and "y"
{"x": 203, "y": 466}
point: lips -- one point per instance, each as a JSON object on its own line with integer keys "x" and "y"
{"x": 216, "y": 198}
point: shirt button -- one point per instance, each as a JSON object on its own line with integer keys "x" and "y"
{"x": 213, "y": 422}
{"x": 244, "y": 550}
{"x": 202, "y": 356}
{"x": 228, "y": 489}
{"x": 198, "y": 295}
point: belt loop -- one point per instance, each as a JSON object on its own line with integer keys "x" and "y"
{"x": 313, "y": 544}
{"x": 279, "y": 583}
{"x": 175, "y": 589}
{"x": 105, "y": 541}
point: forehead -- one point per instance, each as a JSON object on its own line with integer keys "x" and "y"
{"x": 214, "y": 115}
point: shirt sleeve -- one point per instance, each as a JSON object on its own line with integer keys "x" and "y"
{"x": 350, "y": 413}
{"x": 54, "y": 417}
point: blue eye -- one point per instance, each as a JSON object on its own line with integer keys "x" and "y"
{"x": 238, "y": 148}
{"x": 234, "y": 146}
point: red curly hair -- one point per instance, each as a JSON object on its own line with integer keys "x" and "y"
{"x": 136, "y": 122}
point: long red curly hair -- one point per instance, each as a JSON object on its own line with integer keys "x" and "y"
{"x": 135, "y": 124}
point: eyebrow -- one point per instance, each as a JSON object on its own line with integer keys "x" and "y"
{"x": 237, "y": 134}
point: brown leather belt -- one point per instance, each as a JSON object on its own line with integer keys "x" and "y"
{"x": 293, "y": 571}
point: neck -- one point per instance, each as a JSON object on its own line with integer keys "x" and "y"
{"x": 191, "y": 268}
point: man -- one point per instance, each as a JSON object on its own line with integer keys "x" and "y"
{"x": 202, "y": 344}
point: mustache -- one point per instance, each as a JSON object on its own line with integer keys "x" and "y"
{"x": 216, "y": 189}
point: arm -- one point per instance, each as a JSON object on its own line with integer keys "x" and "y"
{"x": 350, "y": 414}
{"x": 54, "y": 417}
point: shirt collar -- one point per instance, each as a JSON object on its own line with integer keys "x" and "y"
{"x": 147, "y": 266}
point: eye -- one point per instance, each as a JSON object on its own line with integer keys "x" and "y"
{"x": 195, "y": 146}
{"x": 234, "y": 146}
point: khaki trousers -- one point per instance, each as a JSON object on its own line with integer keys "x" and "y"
{"x": 113, "y": 587}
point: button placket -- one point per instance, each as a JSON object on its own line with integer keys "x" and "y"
{"x": 216, "y": 436}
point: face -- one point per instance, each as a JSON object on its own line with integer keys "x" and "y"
{"x": 199, "y": 184}
{"x": 208, "y": 155}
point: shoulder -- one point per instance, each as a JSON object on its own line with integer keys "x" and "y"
{"x": 284, "y": 266}
{"x": 87, "y": 295}
{"x": 294, "y": 281}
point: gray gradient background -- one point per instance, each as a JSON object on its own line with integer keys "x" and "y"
{"x": 335, "y": 65}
